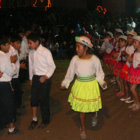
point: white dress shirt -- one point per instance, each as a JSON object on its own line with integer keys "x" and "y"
{"x": 17, "y": 65}
{"x": 82, "y": 68}
{"x": 6, "y": 67}
{"x": 41, "y": 62}
{"x": 24, "y": 48}
{"x": 12, "y": 52}
{"x": 136, "y": 59}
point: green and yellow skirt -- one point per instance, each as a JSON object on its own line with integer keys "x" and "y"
{"x": 85, "y": 95}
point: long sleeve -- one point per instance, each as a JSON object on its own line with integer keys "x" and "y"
{"x": 70, "y": 73}
{"x": 30, "y": 67}
{"x": 51, "y": 65}
{"x": 136, "y": 60}
{"x": 8, "y": 68}
{"x": 99, "y": 72}
{"x": 24, "y": 49}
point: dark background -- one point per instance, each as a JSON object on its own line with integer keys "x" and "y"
{"x": 114, "y": 6}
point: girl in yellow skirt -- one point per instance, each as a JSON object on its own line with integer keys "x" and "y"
{"x": 85, "y": 94}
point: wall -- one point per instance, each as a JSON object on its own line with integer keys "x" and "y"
{"x": 115, "y": 6}
{"x": 70, "y": 3}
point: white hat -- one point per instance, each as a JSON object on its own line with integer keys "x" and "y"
{"x": 123, "y": 37}
{"x": 110, "y": 34}
{"x": 119, "y": 30}
{"x": 137, "y": 38}
{"x": 84, "y": 40}
{"x": 131, "y": 33}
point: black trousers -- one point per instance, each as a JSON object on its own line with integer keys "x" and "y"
{"x": 17, "y": 91}
{"x": 7, "y": 106}
{"x": 40, "y": 96}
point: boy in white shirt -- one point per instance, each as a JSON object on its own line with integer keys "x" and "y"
{"x": 7, "y": 68}
{"x": 41, "y": 69}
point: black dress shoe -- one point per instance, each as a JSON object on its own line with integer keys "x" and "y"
{"x": 42, "y": 125}
{"x": 16, "y": 131}
{"x": 33, "y": 125}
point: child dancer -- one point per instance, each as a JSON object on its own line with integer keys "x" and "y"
{"x": 120, "y": 62}
{"x": 134, "y": 74}
{"x": 85, "y": 94}
{"x": 41, "y": 69}
{"x": 106, "y": 49}
{"x": 8, "y": 69}
{"x": 115, "y": 43}
{"x": 128, "y": 53}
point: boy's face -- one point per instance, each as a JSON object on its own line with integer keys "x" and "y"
{"x": 17, "y": 45}
{"x": 33, "y": 45}
{"x": 5, "y": 47}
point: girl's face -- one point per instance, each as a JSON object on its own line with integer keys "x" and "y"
{"x": 80, "y": 49}
{"x": 108, "y": 37}
{"x": 130, "y": 39}
{"x": 136, "y": 44}
{"x": 117, "y": 38}
{"x": 122, "y": 43}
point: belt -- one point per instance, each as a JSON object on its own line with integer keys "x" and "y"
{"x": 86, "y": 78}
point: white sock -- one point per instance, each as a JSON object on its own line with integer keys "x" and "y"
{"x": 35, "y": 119}
{"x": 11, "y": 129}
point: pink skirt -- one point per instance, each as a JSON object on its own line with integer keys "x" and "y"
{"x": 134, "y": 75}
{"x": 117, "y": 68}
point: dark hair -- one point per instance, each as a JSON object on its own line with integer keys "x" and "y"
{"x": 15, "y": 38}
{"x": 34, "y": 37}
{"x": 90, "y": 50}
{"x": 123, "y": 40}
{"x": 107, "y": 34}
{"x": 4, "y": 40}
{"x": 118, "y": 34}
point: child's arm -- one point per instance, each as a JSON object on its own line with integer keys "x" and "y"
{"x": 100, "y": 74}
{"x": 70, "y": 74}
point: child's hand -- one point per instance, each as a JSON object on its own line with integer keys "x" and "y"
{"x": 138, "y": 66}
{"x": 1, "y": 73}
{"x": 43, "y": 79}
{"x": 23, "y": 66}
{"x": 104, "y": 85}
{"x": 63, "y": 87}
{"x": 30, "y": 82}
{"x": 123, "y": 53}
{"x": 115, "y": 55}
{"x": 14, "y": 58}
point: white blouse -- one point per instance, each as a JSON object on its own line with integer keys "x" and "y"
{"x": 136, "y": 59}
{"x": 130, "y": 50}
{"x": 119, "y": 54}
{"x": 107, "y": 46}
{"x": 84, "y": 67}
